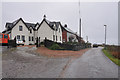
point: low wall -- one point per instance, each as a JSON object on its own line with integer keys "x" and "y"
{"x": 12, "y": 43}
{"x": 66, "y": 46}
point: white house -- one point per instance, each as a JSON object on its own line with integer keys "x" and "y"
{"x": 50, "y": 30}
{"x": 29, "y": 32}
{"x": 21, "y": 30}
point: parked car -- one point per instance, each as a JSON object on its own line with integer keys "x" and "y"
{"x": 20, "y": 42}
{"x": 95, "y": 45}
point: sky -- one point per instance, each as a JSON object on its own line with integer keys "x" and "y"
{"x": 94, "y": 16}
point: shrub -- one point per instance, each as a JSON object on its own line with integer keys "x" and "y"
{"x": 72, "y": 43}
{"x": 55, "y": 47}
{"x": 42, "y": 43}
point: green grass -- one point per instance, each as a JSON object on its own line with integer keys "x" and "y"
{"x": 111, "y": 57}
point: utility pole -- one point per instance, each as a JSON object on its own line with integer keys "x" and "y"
{"x": 105, "y": 34}
{"x": 80, "y": 29}
{"x": 79, "y": 23}
{"x": 87, "y": 39}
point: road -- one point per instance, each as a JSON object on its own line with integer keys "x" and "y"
{"x": 92, "y": 64}
{"x": 22, "y": 63}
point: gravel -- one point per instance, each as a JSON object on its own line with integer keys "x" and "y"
{"x": 21, "y": 64}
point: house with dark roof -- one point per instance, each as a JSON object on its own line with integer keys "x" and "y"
{"x": 50, "y": 30}
{"x": 68, "y": 35}
{"x": 30, "y": 32}
{"x": 21, "y": 30}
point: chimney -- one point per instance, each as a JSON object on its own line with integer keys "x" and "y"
{"x": 44, "y": 16}
{"x": 65, "y": 25}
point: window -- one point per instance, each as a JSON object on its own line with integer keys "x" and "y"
{"x": 1, "y": 36}
{"x": 29, "y": 38}
{"x": 23, "y": 38}
{"x": 60, "y": 38}
{"x": 5, "y": 36}
{"x": 20, "y": 28}
{"x": 32, "y": 38}
{"x": 18, "y": 37}
{"x": 30, "y": 30}
{"x": 59, "y": 30}
{"x": 53, "y": 37}
{"x": 56, "y": 38}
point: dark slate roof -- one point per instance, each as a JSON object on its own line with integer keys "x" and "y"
{"x": 69, "y": 30}
{"x": 51, "y": 24}
{"x": 31, "y": 25}
{"x": 9, "y": 26}
{"x": 16, "y": 21}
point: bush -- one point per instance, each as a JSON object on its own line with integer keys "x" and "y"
{"x": 72, "y": 43}
{"x": 42, "y": 43}
{"x": 55, "y": 47}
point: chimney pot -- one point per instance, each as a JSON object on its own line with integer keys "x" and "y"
{"x": 65, "y": 25}
{"x": 44, "y": 16}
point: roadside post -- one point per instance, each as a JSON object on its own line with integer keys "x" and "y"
{"x": 37, "y": 42}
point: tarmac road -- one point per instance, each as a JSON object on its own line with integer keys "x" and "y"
{"x": 92, "y": 64}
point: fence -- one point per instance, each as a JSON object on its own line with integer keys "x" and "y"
{"x": 74, "y": 47}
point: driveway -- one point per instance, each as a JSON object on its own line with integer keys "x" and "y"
{"x": 22, "y": 63}
{"x": 92, "y": 64}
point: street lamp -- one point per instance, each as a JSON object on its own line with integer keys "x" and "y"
{"x": 105, "y": 34}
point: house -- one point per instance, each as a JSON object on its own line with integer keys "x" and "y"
{"x": 68, "y": 35}
{"x": 21, "y": 30}
{"x": 30, "y": 32}
{"x": 50, "y": 30}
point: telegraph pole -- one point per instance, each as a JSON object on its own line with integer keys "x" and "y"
{"x": 87, "y": 39}
{"x": 80, "y": 29}
{"x": 79, "y": 23}
{"x": 105, "y": 34}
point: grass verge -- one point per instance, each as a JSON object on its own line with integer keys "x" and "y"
{"x": 111, "y": 57}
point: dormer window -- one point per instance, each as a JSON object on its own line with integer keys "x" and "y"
{"x": 20, "y": 28}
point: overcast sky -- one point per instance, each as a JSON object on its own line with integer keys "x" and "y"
{"x": 94, "y": 15}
